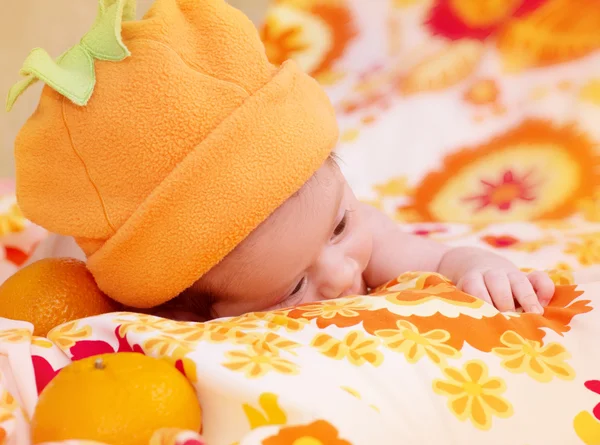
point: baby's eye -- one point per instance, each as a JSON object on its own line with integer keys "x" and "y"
{"x": 339, "y": 229}
{"x": 298, "y": 287}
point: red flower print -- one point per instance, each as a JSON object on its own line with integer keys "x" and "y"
{"x": 505, "y": 192}
{"x": 44, "y": 372}
{"x": 16, "y": 256}
{"x": 429, "y": 231}
{"x": 500, "y": 242}
{"x": 476, "y": 19}
{"x": 594, "y": 386}
{"x": 193, "y": 442}
{"x": 88, "y": 348}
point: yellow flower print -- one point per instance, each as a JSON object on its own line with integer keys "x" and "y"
{"x": 165, "y": 345}
{"x": 356, "y": 347}
{"x": 16, "y": 335}
{"x": 541, "y": 363}
{"x": 12, "y": 221}
{"x": 256, "y": 363}
{"x": 278, "y": 319}
{"x": 590, "y": 92}
{"x": 41, "y": 342}
{"x": 590, "y": 207}
{"x": 587, "y": 428}
{"x": 334, "y": 308}
{"x": 409, "y": 3}
{"x": 415, "y": 345}
{"x": 230, "y": 326}
{"x": 67, "y": 335}
{"x": 350, "y": 135}
{"x": 269, "y": 413}
{"x": 587, "y": 251}
{"x": 232, "y": 329}
{"x": 142, "y": 324}
{"x": 396, "y": 187}
{"x": 535, "y": 245}
{"x": 482, "y": 92}
{"x": 354, "y": 393}
{"x": 272, "y": 342}
{"x": 198, "y": 332}
{"x": 8, "y": 403}
{"x": 473, "y": 395}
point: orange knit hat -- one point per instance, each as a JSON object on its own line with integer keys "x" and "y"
{"x": 160, "y": 144}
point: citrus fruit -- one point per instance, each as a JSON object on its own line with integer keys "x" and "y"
{"x": 118, "y": 399}
{"x": 51, "y": 292}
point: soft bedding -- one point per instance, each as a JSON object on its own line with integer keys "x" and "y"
{"x": 470, "y": 122}
{"x": 416, "y": 362}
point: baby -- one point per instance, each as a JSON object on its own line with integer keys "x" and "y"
{"x": 198, "y": 179}
{"x": 322, "y": 243}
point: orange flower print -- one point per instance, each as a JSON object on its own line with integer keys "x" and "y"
{"x": 558, "y": 31}
{"x": 527, "y": 33}
{"x": 314, "y": 34}
{"x": 484, "y": 184}
{"x": 501, "y": 241}
{"x": 504, "y": 192}
{"x": 474, "y": 395}
{"x": 482, "y": 92}
{"x": 319, "y": 432}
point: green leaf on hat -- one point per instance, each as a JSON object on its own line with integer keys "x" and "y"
{"x": 72, "y": 74}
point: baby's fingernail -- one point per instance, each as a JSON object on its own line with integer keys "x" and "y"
{"x": 536, "y": 309}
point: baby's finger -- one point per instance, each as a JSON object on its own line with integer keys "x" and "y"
{"x": 524, "y": 293}
{"x": 498, "y": 286}
{"x": 473, "y": 284}
{"x": 543, "y": 286}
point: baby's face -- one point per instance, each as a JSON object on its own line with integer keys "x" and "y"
{"x": 314, "y": 247}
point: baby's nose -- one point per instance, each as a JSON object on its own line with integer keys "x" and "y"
{"x": 337, "y": 277}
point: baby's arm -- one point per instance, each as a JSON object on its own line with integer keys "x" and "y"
{"x": 477, "y": 272}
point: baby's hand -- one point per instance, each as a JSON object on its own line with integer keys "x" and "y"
{"x": 494, "y": 279}
{"x": 502, "y": 286}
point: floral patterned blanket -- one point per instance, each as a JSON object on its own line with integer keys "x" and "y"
{"x": 470, "y": 121}
{"x": 416, "y": 362}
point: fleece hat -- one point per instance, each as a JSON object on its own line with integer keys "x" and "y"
{"x": 160, "y": 144}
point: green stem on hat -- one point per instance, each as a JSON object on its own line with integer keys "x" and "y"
{"x": 72, "y": 74}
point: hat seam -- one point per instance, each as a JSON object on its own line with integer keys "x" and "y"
{"x": 85, "y": 168}
{"x": 226, "y": 81}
